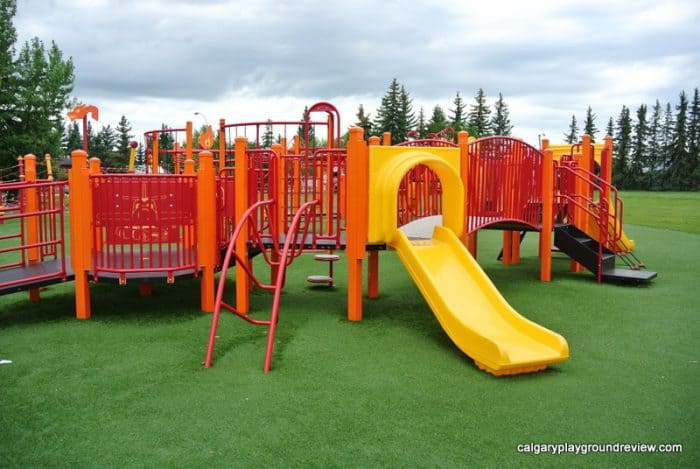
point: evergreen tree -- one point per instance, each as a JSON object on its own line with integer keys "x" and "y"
{"x": 654, "y": 148}
{"x": 610, "y": 128}
{"x": 123, "y": 140}
{"x": 363, "y": 120}
{"x": 166, "y": 141}
{"x": 500, "y": 124}
{"x": 438, "y": 121}
{"x": 638, "y": 156}
{"x": 268, "y": 137}
{"x": 681, "y": 167}
{"x": 73, "y": 140}
{"x": 387, "y": 116}
{"x": 103, "y": 146}
{"x": 422, "y": 125}
{"x": 458, "y": 119}
{"x": 140, "y": 156}
{"x": 694, "y": 137}
{"x": 406, "y": 117}
{"x": 306, "y": 128}
{"x": 572, "y": 136}
{"x": 479, "y": 116}
{"x": 623, "y": 143}
{"x": 667, "y": 144}
{"x": 589, "y": 124}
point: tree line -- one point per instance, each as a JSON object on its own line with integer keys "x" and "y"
{"x": 656, "y": 149}
{"x": 397, "y": 115}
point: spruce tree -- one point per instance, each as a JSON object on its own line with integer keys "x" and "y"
{"x": 268, "y": 136}
{"x": 72, "y": 140}
{"x": 421, "y": 125}
{"x": 458, "y": 118}
{"x": 681, "y": 167}
{"x": 610, "y": 128}
{"x": 638, "y": 156}
{"x": 363, "y": 120}
{"x": 572, "y": 136}
{"x": 589, "y": 126}
{"x": 123, "y": 140}
{"x": 406, "y": 117}
{"x": 438, "y": 121}
{"x": 479, "y": 116}
{"x": 623, "y": 143}
{"x": 500, "y": 124}
{"x": 654, "y": 147}
{"x": 387, "y": 116}
{"x": 667, "y": 144}
{"x": 694, "y": 137}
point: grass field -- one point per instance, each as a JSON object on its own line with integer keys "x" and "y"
{"x": 126, "y": 388}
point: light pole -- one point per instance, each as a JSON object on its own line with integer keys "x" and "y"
{"x": 206, "y": 121}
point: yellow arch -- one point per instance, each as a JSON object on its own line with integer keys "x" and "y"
{"x": 388, "y": 166}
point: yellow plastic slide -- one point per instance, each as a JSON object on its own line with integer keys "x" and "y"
{"x": 472, "y": 311}
{"x": 624, "y": 244}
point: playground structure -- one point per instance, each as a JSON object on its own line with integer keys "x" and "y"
{"x": 227, "y": 204}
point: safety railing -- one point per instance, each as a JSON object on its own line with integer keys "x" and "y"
{"x": 581, "y": 194}
{"x": 505, "y": 177}
{"x": 144, "y": 224}
{"x": 32, "y": 220}
{"x": 276, "y": 254}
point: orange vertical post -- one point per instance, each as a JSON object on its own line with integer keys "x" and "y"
{"x": 507, "y": 256}
{"x": 32, "y": 206}
{"x": 80, "y": 211}
{"x": 586, "y": 162}
{"x": 606, "y": 160}
{"x": 374, "y": 140}
{"x": 206, "y": 228}
{"x": 241, "y": 176}
{"x": 155, "y": 155}
{"x": 188, "y": 141}
{"x": 386, "y": 139}
{"x": 356, "y": 227}
{"x": 463, "y": 144}
{"x": 189, "y": 231}
{"x": 547, "y": 216}
{"x": 280, "y": 205}
{"x": 95, "y": 167}
{"x": 222, "y": 144}
{"x": 176, "y": 159}
{"x": 515, "y": 249}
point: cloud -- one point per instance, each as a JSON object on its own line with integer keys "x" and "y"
{"x": 550, "y": 59}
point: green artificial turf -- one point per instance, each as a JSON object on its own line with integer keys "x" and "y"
{"x": 669, "y": 210}
{"x": 127, "y": 388}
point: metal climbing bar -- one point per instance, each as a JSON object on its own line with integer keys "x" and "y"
{"x": 275, "y": 254}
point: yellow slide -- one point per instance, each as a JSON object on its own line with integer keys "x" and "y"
{"x": 472, "y": 311}
{"x": 624, "y": 244}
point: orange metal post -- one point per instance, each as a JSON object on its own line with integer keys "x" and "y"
{"x": 506, "y": 258}
{"x": 188, "y": 141}
{"x": 32, "y": 206}
{"x": 606, "y": 160}
{"x": 358, "y": 184}
{"x": 296, "y": 144}
{"x": 189, "y": 231}
{"x": 547, "y": 216}
{"x": 386, "y": 139}
{"x": 515, "y": 249}
{"x": 463, "y": 143}
{"x": 155, "y": 155}
{"x": 374, "y": 140}
{"x": 206, "y": 227}
{"x": 49, "y": 168}
{"x": 80, "y": 210}
{"x": 176, "y": 159}
{"x": 222, "y": 143}
{"x": 95, "y": 167}
{"x": 241, "y": 175}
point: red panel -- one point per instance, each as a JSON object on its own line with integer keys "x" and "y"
{"x": 505, "y": 176}
{"x": 144, "y": 223}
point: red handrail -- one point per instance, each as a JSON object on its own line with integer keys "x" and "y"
{"x": 598, "y": 209}
{"x": 289, "y": 251}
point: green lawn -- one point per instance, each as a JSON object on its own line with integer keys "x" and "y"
{"x": 126, "y": 388}
{"x": 678, "y": 211}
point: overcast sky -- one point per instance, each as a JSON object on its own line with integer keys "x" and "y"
{"x": 160, "y": 61}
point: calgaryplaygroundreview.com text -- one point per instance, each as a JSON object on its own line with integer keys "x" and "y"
{"x": 589, "y": 448}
